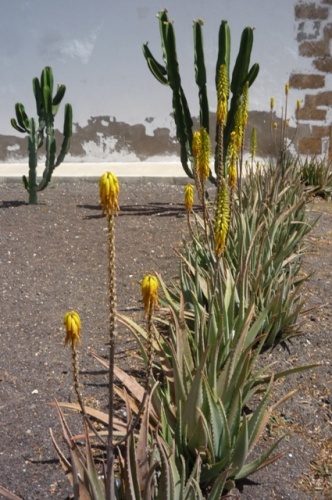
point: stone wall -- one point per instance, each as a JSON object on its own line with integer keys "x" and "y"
{"x": 314, "y": 36}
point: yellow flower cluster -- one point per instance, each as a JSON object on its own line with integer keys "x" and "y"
{"x": 201, "y": 150}
{"x": 189, "y": 197}
{"x": 253, "y": 142}
{"x": 109, "y": 192}
{"x": 232, "y": 159}
{"x": 222, "y": 219}
{"x": 149, "y": 289}
{"x": 72, "y": 322}
{"x": 223, "y": 93}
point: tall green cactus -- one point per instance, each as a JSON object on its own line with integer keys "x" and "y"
{"x": 169, "y": 74}
{"x": 47, "y": 107}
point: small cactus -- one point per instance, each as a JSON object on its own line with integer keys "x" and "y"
{"x": 47, "y": 107}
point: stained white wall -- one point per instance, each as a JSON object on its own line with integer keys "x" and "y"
{"x": 94, "y": 47}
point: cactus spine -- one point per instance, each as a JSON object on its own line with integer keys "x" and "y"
{"x": 169, "y": 74}
{"x": 47, "y": 107}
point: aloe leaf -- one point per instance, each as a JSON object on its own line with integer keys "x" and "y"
{"x": 218, "y": 486}
{"x": 95, "y": 485}
{"x": 142, "y": 446}
{"x": 260, "y": 462}
{"x": 78, "y": 468}
{"x": 193, "y": 480}
{"x": 194, "y": 398}
{"x": 132, "y": 489}
{"x": 216, "y": 421}
{"x": 241, "y": 446}
{"x": 259, "y": 418}
{"x": 62, "y": 459}
{"x": 166, "y": 481}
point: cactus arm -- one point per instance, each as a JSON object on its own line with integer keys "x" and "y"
{"x": 16, "y": 126}
{"x": 47, "y": 97}
{"x": 157, "y": 69}
{"x": 242, "y": 62}
{"x": 184, "y": 125}
{"x": 163, "y": 22}
{"x": 38, "y": 93}
{"x": 224, "y": 48}
{"x": 22, "y": 117}
{"x": 32, "y": 179}
{"x": 61, "y": 90}
{"x": 252, "y": 75}
{"x": 200, "y": 75}
{"x": 67, "y": 133}
{"x": 46, "y": 79}
{"x": 240, "y": 76}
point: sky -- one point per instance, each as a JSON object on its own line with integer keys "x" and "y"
{"x": 95, "y": 49}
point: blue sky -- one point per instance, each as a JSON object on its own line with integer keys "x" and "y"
{"x": 94, "y": 47}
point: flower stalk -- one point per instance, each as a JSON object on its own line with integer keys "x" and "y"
{"x": 109, "y": 191}
{"x": 188, "y": 202}
{"x": 72, "y": 322}
{"x": 149, "y": 290}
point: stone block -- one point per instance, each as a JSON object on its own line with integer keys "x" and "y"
{"x": 323, "y": 64}
{"x": 314, "y": 49}
{"x": 311, "y": 11}
{"x": 324, "y": 98}
{"x": 318, "y": 131}
{"x": 327, "y": 32}
{"x": 310, "y": 146}
{"x": 301, "y": 81}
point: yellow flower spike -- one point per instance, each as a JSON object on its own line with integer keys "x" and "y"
{"x": 298, "y": 105}
{"x": 222, "y": 219}
{"x": 223, "y": 93}
{"x": 245, "y": 105}
{"x": 232, "y": 175}
{"x": 204, "y": 155}
{"x": 149, "y": 289}
{"x": 271, "y": 103}
{"x": 109, "y": 192}
{"x": 275, "y": 125}
{"x": 238, "y": 128}
{"x": 253, "y": 142}
{"x": 287, "y": 88}
{"x": 196, "y": 144}
{"x": 72, "y": 322}
{"x": 232, "y": 156}
{"x": 189, "y": 197}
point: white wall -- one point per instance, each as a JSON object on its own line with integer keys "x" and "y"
{"x": 94, "y": 47}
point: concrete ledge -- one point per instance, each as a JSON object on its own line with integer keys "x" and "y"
{"x": 180, "y": 181}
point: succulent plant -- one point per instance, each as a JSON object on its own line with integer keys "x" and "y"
{"x": 47, "y": 107}
{"x": 169, "y": 74}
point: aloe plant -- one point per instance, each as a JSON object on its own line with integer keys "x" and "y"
{"x": 207, "y": 380}
{"x": 169, "y": 74}
{"x": 47, "y": 106}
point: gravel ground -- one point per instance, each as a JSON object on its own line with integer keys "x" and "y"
{"x": 53, "y": 257}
